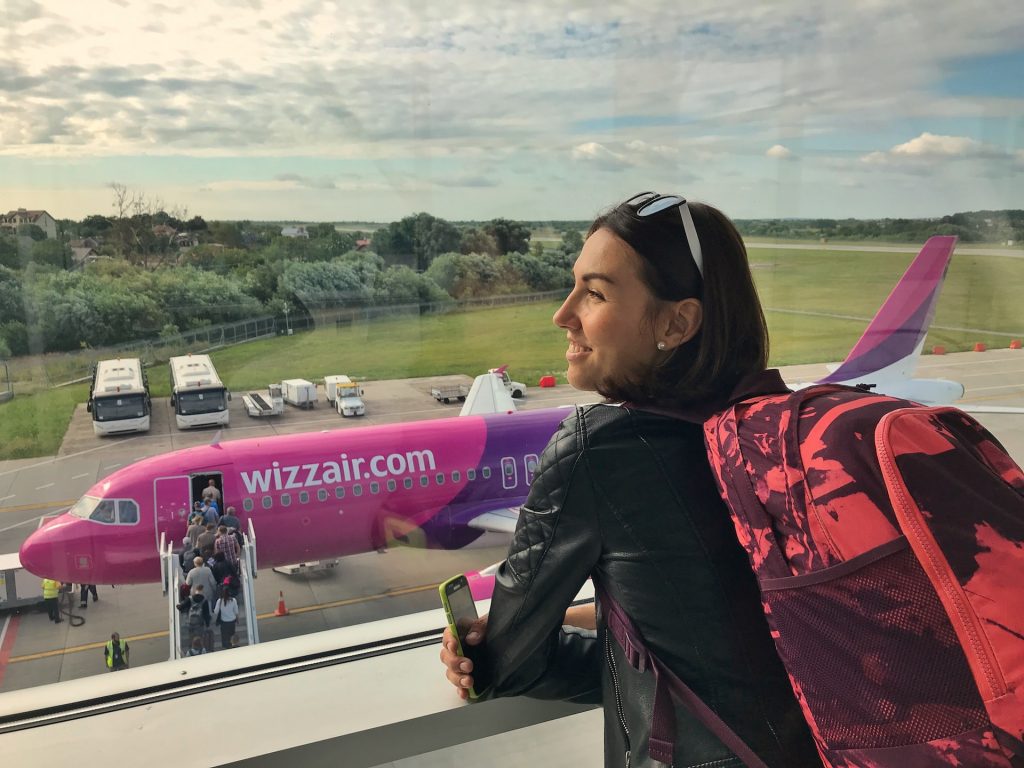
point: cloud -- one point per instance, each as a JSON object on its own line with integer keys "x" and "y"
{"x": 933, "y": 150}
{"x": 930, "y": 145}
{"x": 599, "y": 156}
{"x": 306, "y": 181}
{"x": 779, "y": 152}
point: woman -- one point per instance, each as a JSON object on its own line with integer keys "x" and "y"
{"x": 226, "y": 610}
{"x": 665, "y": 323}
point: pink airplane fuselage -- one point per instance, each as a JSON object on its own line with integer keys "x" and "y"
{"x": 308, "y": 496}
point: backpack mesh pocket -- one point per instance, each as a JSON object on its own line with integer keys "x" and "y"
{"x": 875, "y": 657}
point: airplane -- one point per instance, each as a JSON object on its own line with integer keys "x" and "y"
{"x": 439, "y": 483}
{"x": 885, "y": 356}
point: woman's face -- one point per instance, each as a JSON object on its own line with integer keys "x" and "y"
{"x": 607, "y": 317}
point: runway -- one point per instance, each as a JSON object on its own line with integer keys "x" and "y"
{"x": 34, "y": 651}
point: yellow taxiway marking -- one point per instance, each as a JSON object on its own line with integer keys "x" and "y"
{"x": 38, "y": 506}
{"x": 269, "y": 615}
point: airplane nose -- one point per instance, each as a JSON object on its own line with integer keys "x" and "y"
{"x": 58, "y": 551}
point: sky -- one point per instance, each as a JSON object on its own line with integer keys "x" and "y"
{"x": 324, "y": 111}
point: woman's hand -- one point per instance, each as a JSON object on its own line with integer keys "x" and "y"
{"x": 458, "y": 668}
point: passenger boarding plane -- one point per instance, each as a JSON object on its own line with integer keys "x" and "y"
{"x": 435, "y": 483}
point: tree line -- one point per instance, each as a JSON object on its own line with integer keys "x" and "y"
{"x": 143, "y": 286}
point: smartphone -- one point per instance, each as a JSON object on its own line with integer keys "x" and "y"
{"x": 460, "y": 610}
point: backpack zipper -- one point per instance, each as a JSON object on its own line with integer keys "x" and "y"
{"x": 618, "y": 694}
{"x": 980, "y": 657}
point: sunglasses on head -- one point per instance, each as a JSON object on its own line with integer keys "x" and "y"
{"x": 650, "y": 203}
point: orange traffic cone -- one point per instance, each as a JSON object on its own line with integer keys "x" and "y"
{"x": 282, "y": 609}
{"x": 1015, "y": 344}
{"x": 980, "y": 347}
{"x": 938, "y": 349}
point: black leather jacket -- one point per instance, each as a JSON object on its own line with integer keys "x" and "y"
{"x": 627, "y": 495}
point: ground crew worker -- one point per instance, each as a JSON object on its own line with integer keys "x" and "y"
{"x": 116, "y": 653}
{"x": 51, "y": 593}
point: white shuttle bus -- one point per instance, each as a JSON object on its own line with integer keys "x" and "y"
{"x": 119, "y": 400}
{"x": 198, "y": 396}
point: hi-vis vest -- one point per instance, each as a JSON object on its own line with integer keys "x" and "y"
{"x": 110, "y": 652}
{"x": 51, "y": 588}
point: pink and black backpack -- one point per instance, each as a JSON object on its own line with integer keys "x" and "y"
{"x": 888, "y": 541}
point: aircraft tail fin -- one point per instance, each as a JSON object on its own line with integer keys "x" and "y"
{"x": 487, "y": 395}
{"x": 895, "y": 337}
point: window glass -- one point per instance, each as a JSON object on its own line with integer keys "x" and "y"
{"x": 103, "y": 512}
{"x": 127, "y": 512}
{"x": 396, "y": 206}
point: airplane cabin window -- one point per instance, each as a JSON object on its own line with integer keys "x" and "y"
{"x": 321, "y": 495}
{"x": 286, "y": 499}
{"x": 456, "y": 476}
{"x": 424, "y": 481}
{"x": 339, "y": 492}
{"x": 267, "y": 502}
{"x": 247, "y": 504}
{"x": 374, "y": 487}
{"x": 303, "y": 497}
{"x": 471, "y": 474}
{"x": 407, "y": 483}
{"x": 485, "y": 473}
{"x": 357, "y": 490}
{"x": 392, "y": 485}
{"x": 439, "y": 478}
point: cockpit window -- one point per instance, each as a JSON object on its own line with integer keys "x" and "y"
{"x": 84, "y": 507}
{"x": 104, "y": 512}
{"x": 107, "y": 511}
{"x": 127, "y": 512}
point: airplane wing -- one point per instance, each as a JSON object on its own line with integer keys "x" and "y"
{"x": 496, "y": 520}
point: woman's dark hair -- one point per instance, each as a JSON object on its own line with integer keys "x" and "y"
{"x": 733, "y": 339}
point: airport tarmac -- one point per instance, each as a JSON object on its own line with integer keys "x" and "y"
{"x": 34, "y": 651}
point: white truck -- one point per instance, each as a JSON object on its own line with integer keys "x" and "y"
{"x": 299, "y": 392}
{"x": 345, "y": 394}
{"x": 515, "y": 388}
{"x": 270, "y": 403}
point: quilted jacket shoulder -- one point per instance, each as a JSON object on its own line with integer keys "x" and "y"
{"x": 627, "y": 496}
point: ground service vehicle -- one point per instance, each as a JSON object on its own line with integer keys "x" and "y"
{"x": 515, "y": 388}
{"x": 270, "y": 404}
{"x": 119, "y": 400}
{"x": 299, "y": 392}
{"x": 446, "y": 393}
{"x": 345, "y": 394}
{"x": 198, "y": 396}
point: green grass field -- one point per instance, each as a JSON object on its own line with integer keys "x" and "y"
{"x": 980, "y": 293}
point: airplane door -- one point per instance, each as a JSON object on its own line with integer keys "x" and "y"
{"x": 171, "y": 502}
{"x": 509, "y": 475}
{"x": 531, "y": 461}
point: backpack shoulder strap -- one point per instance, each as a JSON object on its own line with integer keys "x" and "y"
{"x": 668, "y": 687}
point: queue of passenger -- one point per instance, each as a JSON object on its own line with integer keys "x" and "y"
{"x": 209, "y": 558}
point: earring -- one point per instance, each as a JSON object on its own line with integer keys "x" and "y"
{"x": 662, "y": 345}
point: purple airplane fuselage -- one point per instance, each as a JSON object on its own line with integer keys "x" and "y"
{"x": 309, "y": 496}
